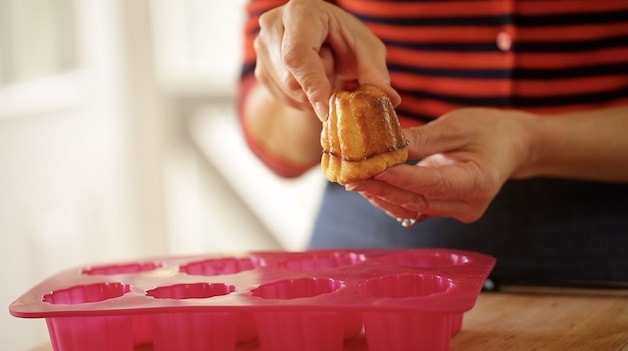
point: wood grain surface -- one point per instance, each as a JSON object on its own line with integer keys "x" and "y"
{"x": 546, "y": 319}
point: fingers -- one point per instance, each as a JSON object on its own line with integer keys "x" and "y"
{"x": 390, "y": 208}
{"x": 465, "y": 158}
{"x": 445, "y": 183}
{"x": 405, "y": 218}
{"x": 270, "y": 69}
{"x": 404, "y": 190}
{"x": 392, "y": 204}
{"x": 441, "y": 135}
{"x": 372, "y": 68}
{"x": 301, "y": 52}
{"x": 361, "y": 56}
{"x": 307, "y": 48}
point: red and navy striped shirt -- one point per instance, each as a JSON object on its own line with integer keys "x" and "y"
{"x": 542, "y": 56}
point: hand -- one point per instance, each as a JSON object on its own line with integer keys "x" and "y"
{"x": 465, "y": 157}
{"x": 306, "y": 48}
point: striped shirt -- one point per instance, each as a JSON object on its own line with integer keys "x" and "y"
{"x": 542, "y": 56}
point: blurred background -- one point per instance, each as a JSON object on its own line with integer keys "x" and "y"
{"x": 119, "y": 141}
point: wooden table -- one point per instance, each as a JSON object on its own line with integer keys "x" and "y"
{"x": 526, "y": 319}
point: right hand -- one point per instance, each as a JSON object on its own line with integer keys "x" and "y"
{"x": 307, "y": 48}
{"x": 465, "y": 156}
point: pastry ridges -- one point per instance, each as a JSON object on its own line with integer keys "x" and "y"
{"x": 362, "y": 135}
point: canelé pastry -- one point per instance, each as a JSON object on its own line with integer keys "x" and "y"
{"x": 362, "y": 135}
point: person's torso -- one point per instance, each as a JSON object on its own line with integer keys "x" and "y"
{"x": 544, "y": 56}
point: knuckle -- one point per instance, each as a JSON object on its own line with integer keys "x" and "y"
{"x": 416, "y": 137}
{"x": 257, "y": 44}
{"x": 472, "y": 214}
{"x": 291, "y": 55}
{"x": 259, "y": 75}
{"x": 380, "y": 48}
{"x": 288, "y": 81}
{"x": 265, "y": 19}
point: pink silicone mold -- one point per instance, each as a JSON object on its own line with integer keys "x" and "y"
{"x": 331, "y": 300}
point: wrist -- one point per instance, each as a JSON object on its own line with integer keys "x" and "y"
{"x": 280, "y": 130}
{"x": 531, "y": 147}
{"x": 588, "y": 144}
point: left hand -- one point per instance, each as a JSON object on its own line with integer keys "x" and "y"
{"x": 465, "y": 158}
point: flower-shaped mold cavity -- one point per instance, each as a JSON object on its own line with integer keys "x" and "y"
{"x": 193, "y": 331}
{"x": 92, "y": 333}
{"x": 129, "y": 268}
{"x": 191, "y": 291}
{"x": 427, "y": 259}
{"x": 395, "y": 300}
{"x": 220, "y": 266}
{"x": 297, "y": 288}
{"x": 309, "y": 329}
{"x": 104, "y": 333}
{"x": 323, "y": 260}
{"x": 406, "y": 285}
{"x": 87, "y": 293}
{"x": 404, "y": 330}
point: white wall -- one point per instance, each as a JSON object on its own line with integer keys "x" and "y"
{"x": 197, "y": 50}
{"x": 191, "y": 62}
{"x": 94, "y": 163}
{"x": 66, "y": 185}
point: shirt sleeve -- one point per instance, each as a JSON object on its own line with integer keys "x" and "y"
{"x": 277, "y": 164}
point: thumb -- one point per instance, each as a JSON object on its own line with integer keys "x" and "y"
{"x": 307, "y": 68}
{"x": 372, "y": 69}
{"x": 305, "y": 55}
{"x": 432, "y": 138}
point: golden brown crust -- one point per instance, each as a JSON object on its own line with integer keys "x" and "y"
{"x": 362, "y": 136}
{"x": 341, "y": 171}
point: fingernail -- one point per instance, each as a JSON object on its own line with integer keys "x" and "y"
{"x": 351, "y": 186}
{"x": 321, "y": 110}
{"x": 396, "y": 99}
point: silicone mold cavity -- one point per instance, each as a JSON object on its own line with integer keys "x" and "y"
{"x": 194, "y": 331}
{"x": 105, "y": 333}
{"x": 325, "y": 300}
{"x": 385, "y": 330}
{"x": 435, "y": 259}
{"x": 297, "y": 288}
{"x": 406, "y": 285}
{"x": 81, "y": 294}
{"x": 219, "y": 266}
{"x": 323, "y": 260}
{"x": 307, "y": 329}
{"x": 76, "y": 333}
{"x": 128, "y": 268}
{"x": 191, "y": 291}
